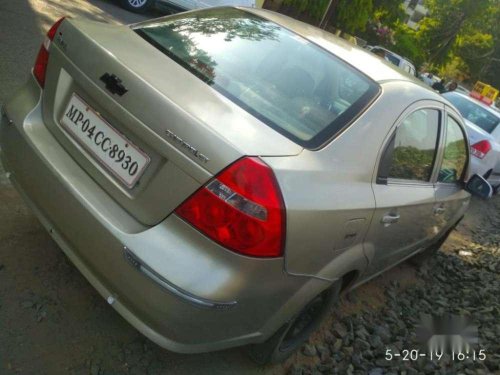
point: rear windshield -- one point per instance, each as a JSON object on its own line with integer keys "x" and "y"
{"x": 287, "y": 82}
{"x": 473, "y": 112}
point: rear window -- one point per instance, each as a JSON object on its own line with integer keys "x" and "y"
{"x": 289, "y": 83}
{"x": 473, "y": 112}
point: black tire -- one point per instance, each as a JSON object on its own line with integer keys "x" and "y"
{"x": 137, "y": 6}
{"x": 294, "y": 333}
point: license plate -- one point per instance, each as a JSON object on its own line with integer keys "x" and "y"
{"x": 104, "y": 143}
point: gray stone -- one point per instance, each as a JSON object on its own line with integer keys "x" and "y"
{"x": 361, "y": 345}
{"x": 27, "y": 304}
{"x": 337, "y": 345}
{"x": 309, "y": 350}
{"x": 375, "y": 341}
{"x": 383, "y": 333}
{"x": 339, "y": 330}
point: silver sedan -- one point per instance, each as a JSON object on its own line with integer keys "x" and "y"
{"x": 220, "y": 176}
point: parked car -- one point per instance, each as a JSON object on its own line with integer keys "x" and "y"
{"x": 461, "y": 89}
{"x": 394, "y": 58}
{"x": 483, "y": 128}
{"x": 140, "y": 6}
{"x": 221, "y": 175}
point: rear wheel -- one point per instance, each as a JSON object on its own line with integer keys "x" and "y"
{"x": 137, "y": 6}
{"x": 293, "y": 334}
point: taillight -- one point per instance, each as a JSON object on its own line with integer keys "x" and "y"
{"x": 42, "y": 58}
{"x": 480, "y": 149}
{"x": 241, "y": 208}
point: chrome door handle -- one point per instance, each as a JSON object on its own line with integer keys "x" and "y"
{"x": 439, "y": 210}
{"x": 390, "y": 219}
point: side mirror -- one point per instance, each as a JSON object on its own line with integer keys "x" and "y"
{"x": 479, "y": 187}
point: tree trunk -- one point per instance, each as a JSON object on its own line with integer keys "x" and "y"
{"x": 329, "y": 12}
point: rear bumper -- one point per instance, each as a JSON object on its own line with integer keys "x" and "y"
{"x": 191, "y": 296}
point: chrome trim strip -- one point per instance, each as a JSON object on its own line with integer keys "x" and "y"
{"x": 165, "y": 284}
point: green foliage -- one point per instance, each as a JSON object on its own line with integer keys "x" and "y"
{"x": 388, "y": 12}
{"x": 474, "y": 49}
{"x": 407, "y": 44}
{"x": 456, "y": 70}
{"x": 315, "y": 8}
{"x": 449, "y": 18}
{"x": 349, "y": 15}
{"x": 352, "y": 15}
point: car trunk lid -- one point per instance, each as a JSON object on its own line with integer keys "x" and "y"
{"x": 186, "y": 129}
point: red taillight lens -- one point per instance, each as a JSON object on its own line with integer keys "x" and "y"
{"x": 42, "y": 58}
{"x": 242, "y": 209}
{"x": 480, "y": 149}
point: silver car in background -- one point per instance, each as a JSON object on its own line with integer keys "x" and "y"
{"x": 219, "y": 176}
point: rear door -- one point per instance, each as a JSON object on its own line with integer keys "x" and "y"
{"x": 404, "y": 191}
{"x": 451, "y": 198}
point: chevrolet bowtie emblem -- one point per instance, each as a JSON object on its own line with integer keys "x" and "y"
{"x": 113, "y": 84}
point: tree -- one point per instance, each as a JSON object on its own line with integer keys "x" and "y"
{"x": 348, "y": 15}
{"x": 388, "y": 12}
{"x": 315, "y": 8}
{"x": 449, "y": 18}
{"x": 352, "y": 15}
{"x": 407, "y": 44}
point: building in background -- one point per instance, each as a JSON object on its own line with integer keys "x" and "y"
{"x": 415, "y": 11}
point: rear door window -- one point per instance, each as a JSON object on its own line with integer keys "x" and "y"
{"x": 414, "y": 146}
{"x": 455, "y": 153}
{"x": 289, "y": 83}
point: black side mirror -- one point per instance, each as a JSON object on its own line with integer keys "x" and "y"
{"x": 479, "y": 187}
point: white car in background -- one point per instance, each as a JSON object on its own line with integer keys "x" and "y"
{"x": 140, "y": 6}
{"x": 429, "y": 78}
{"x": 400, "y": 61}
{"x": 483, "y": 128}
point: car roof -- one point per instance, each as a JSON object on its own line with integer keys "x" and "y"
{"x": 477, "y": 102}
{"x": 371, "y": 65}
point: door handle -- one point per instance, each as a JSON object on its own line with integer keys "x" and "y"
{"x": 439, "y": 210}
{"x": 390, "y": 219}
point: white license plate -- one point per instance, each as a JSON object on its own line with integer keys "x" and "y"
{"x": 111, "y": 148}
